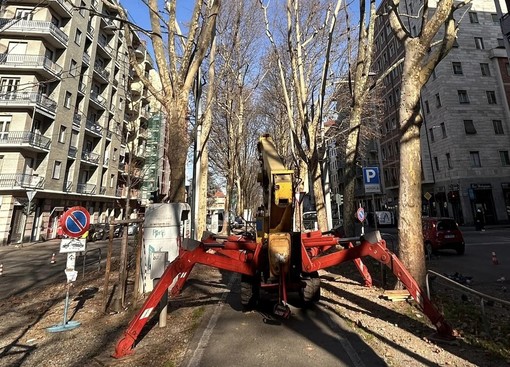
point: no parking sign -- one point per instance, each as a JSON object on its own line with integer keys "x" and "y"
{"x": 75, "y": 221}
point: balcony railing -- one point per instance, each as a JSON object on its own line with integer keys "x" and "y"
{"x": 22, "y": 98}
{"x": 105, "y": 74}
{"x": 25, "y": 137}
{"x": 84, "y": 188}
{"x": 27, "y": 61}
{"x": 21, "y": 180}
{"x": 104, "y": 44}
{"x": 68, "y": 186}
{"x": 86, "y": 58}
{"x": 33, "y": 26}
{"x": 90, "y": 157}
{"x": 97, "y": 98}
{"x": 82, "y": 87}
{"x": 94, "y": 127}
{"x": 77, "y": 119}
{"x": 73, "y": 151}
{"x": 90, "y": 31}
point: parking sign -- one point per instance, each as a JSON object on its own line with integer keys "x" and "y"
{"x": 371, "y": 180}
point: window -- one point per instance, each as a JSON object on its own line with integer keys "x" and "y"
{"x": 449, "y": 161}
{"x": 495, "y": 18}
{"x": 469, "y": 127}
{"x": 73, "y": 67}
{"x": 498, "y": 127}
{"x": 431, "y": 133}
{"x": 8, "y": 86}
{"x": 112, "y": 180}
{"x": 479, "y": 43}
{"x": 56, "y": 170}
{"x": 18, "y": 48}
{"x": 5, "y": 122}
{"x": 393, "y": 124}
{"x": 83, "y": 6}
{"x": 443, "y": 129}
{"x": 390, "y": 100}
{"x": 427, "y": 107}
{"x": 62, "y": 134}
{"x": 484, "y": 67}
{"x": 501, "y": 43}
{"x": 505, "y": 158}
{"x": 67, "y": 100}
{"x": 436, "y": 163}
{"x": 473, "y": 17}
{"x": 463, "y": 96}
{"x": 491, "y": 97}
{"x": 457, "y": 68}
{"x": 77, "y": 37}
{"x": 24, "y": 13}
{"x": 438, "y": 100}
{"x": 475, "y": 159}
{"x": 114, "y": 158}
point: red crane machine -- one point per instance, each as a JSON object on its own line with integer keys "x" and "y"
{"x": 277, "y": 258}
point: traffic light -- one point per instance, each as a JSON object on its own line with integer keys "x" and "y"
{"x": 28, "y": 207}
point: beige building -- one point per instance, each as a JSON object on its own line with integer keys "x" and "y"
{"x": 72, "y": 116}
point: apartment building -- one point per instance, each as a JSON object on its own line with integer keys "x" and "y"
{"x": 68, "y": 105}
{"x": 465, "y": 136}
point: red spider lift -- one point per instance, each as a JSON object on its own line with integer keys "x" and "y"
{"x": 277, "y": 259}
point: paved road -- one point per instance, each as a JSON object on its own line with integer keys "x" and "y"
{"x": 312, "y": 337}
{"x": 30, "y": 266}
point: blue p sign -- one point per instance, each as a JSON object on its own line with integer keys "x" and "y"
{"x": 371, "y": 180}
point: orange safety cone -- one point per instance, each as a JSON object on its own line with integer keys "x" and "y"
{"x": 53, "y": 259}
{"x": 494, "y": 259}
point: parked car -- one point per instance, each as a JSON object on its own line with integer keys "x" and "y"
{"x": 132, "y": 229}
{"x": 118, "y": 230}
{"x": 442, "y": 233}
{"x": 97, "y": 232}
{"x": 310, "y": 220}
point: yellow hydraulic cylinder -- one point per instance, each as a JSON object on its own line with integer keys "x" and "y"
{"x": 279, "y": 252}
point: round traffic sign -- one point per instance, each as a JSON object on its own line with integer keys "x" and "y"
{"x": 360, "y": 214}
{"x": 75, "y": 221}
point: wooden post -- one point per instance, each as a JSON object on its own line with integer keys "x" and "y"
{"x": 138, "y": 254}
{"x": 108, "y": 265}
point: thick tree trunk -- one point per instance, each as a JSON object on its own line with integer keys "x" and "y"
{"x": 202, "y": 210}
{"x": 178, "y": 142}
{"x": 411, "y": 249}
{"x": 351, "y": 154}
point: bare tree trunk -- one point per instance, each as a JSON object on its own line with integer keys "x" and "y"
{"x": 202, "y": 209}
{"x": 178, "y": 143}
{"x": 350, "y": 171}
{"x": 411, "y": 249}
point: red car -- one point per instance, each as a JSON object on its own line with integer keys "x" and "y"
{"x": 442, "y": 233}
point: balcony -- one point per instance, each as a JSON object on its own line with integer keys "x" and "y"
{"x": 26, "y": 139}
{"x": 90, "y": 157}
{"x": 140, "y": 53}
{"x": 136, "y": 88}
{"x": 86, "y": 58}
{"x": 81, "y": 88}
{"x": 109, "y": 25}
{"x": 102, "y": 190}
{"x": 73, "y": 152}
{"x": 94, "y": 128}
{"x": 84, "y": 188}
{"x": 77, "y": 119}
{"x": 145, "y": 114}
{"x": 103, "y": 46}
{"x": 59, "y": 7}
{"x": 39, "y": 63}
{"x": 20, "y": 180}
{"x": 90, "y": 32}
{"x": 102, "y": 72}
{"x": 68, "y": 186}
{"x": 46, "y": 30}
{"x": 43, "y": 104}
{"x": 98, "y": 100}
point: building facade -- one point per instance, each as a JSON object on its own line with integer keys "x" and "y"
{"x": 465, "y": 137}
{"x": 66, "y": 102}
